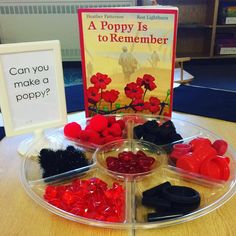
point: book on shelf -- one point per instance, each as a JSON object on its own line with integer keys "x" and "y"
{"x": 128, "y": 59}
{"x": 227, "y": 12}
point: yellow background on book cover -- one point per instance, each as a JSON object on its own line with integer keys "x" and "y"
{"x": 103, "y": 56}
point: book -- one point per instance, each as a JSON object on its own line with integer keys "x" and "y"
{"x": 227, "y": 12}
{"x": 128, "y": 59}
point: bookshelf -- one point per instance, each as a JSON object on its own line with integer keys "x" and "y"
{"x": 200, "y": 26}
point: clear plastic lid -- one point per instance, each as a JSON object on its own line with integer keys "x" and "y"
{"x": 213, "y": 193}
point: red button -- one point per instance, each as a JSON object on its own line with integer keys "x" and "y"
{"x": 188, "y": 162}
{"x": 203, "y": 152}
{"x": 220, "y": 146}
{"x": 216, "y": 168}
{"x": 182, "y": 147}
{"x": 179, "y": 150}
{"x": 197, "y": 142}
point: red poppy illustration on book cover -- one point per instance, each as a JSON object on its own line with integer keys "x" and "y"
{"x": 128, "y": 57}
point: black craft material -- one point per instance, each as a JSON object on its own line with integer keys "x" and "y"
{"x": 155, "y": 216}
{"x": 61, "y": 161}
{"x": 157, "y": 190}
{"x": 160, "y": 135}
{"x": 170, "y": 201}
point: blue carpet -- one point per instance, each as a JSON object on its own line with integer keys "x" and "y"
{"x": 218, "y": 73}
{"x": 73, "y": 86}
{"x": 2, "y": 133}
{"x": 207, "y": 102}
{"x": 74, "y": 98}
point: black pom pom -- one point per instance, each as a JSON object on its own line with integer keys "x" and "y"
{"x": 176, "y": 137}
{"x": 138, "y": 131}
{"x": 151, "y": 127}
{"x": 168, "y": 125}
{"x": 162, "y": 134}
{"x": 60, "y": 161}
{"x": 149, "y": 137}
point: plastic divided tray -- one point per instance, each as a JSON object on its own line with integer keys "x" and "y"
{"x": 213, "y": 193}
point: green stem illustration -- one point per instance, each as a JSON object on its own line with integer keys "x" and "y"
{"x": 144, "y": 94}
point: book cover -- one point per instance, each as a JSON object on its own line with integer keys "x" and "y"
{"x": 128, "y": 57}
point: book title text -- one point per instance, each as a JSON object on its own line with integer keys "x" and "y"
{"x": 117, "y": 29}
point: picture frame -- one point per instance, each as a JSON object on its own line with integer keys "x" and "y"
{"x": 32, "y": 87}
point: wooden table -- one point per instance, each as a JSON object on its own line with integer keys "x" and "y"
{"x": 20, "y": 215}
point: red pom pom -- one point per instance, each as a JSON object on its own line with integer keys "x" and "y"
{"x": 90, "y": 136}
{"x": 115, "y": 130}
{"x": 84, "y": 135}
{"x": 87, "y": 127}
{"x": 72, "y": 130}
{"x": 121, "y": 123}
{"x": 111, "y": 120}
{"x": 105, "y": 132}
{"x": 109, "y": 138}
{"x": 98, "y": 123}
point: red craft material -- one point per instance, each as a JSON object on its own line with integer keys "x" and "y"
{"x": 111, "y": 120}
{"x": 90, "y": 198}
{"x": 130, "y": 163}
{"x": 216, "y": 168}
{"x": 204, "y": 158}
{"x": 99, "y": 130}
{"x": 98, "y": 123}
{"x": 198, "y": 142}
{"x": 179, "y": 150}
{"x": 202, "y": 152}
{"x": 220, "y": 146}
{"x": 121, "y": 123}
{"x": 188, "y": 162}
{"x": 115, "y": 130}
{"x": 72, "y": 130}
{"x": 90, "y": 135}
